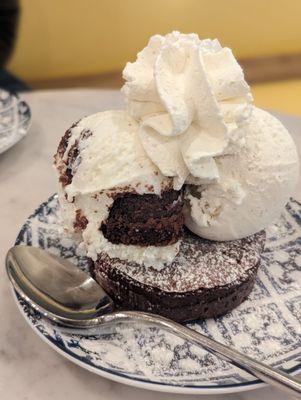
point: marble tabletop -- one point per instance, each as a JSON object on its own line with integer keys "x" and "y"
{"x": 30, "y": 370}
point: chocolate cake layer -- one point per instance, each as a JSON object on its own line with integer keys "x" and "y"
{"x": 145, "y": 220}
{"x": 207, "y": 279}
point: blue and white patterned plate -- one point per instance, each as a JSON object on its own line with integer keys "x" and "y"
{"x": 15, "y": 119}
{"x": 266, "y": 326}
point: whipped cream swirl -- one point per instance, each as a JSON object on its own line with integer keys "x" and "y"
{"x": 190, "y": 99}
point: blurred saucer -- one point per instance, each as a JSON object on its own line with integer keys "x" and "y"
{"x": 15, "y": 119}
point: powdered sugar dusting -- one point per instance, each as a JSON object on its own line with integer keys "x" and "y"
{"x": 199, "y": 264}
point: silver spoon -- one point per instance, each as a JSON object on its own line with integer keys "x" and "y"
{"x": 65, "y": 294}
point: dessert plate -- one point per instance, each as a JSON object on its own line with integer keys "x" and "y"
{"x": 266, "y": 326}
{"x": 15, "y": 118}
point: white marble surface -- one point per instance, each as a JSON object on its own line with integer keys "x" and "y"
{"x": 29, "y": 369}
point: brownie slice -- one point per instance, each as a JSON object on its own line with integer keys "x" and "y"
{"x": 207, "y": 279}
{"x": 145, "y": 220}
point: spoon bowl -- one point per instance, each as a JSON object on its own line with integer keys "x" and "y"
{"x": 55, "y": 287}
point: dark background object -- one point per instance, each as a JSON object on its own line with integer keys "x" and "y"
{"x": 11, "y": 82}
{"x": 9, "y": 16}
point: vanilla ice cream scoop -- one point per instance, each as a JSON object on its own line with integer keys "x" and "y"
{"x": 253, "y": 187}
{"x": 104, "y": 152}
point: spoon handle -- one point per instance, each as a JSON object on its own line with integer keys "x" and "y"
{"x": 262, "y": 371}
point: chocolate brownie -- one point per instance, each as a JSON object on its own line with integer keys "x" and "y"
{"x": 207, "y": 279}
{"x": 145, "y": 220}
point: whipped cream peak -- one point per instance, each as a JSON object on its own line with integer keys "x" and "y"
{"x": 182, "y": 89}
